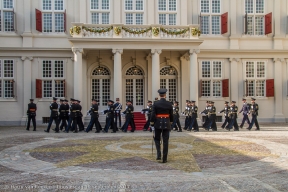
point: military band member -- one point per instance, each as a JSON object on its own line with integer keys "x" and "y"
{"x": 161, "y": 120}
{"x": 79, "y": 116}
{"x": 254, "y": 112}
{"x": 62, "y": 114}
{"x": 129, "y": 117}
{"x": 176, "y": 122}
{"x": 185, "y": 112}
{"x": 148, "y": 111}
{"x": 205, "y": 112}
{"x": 72, "y": 117}
{"x": 109, "y": 117}
{"x": 69, "y": 125}
{"x": 53, "y": 116}
{"x": 226, "y": 114}
{"x": 118, "y": 109}
{"x": 245, "y": 109}
{"x": 193, "y": 117}
{"x": 211, "y": 112}
{"x": 233, "y": 117}
{"x": 94, "y": 117}
{"x": 31, "y": 114}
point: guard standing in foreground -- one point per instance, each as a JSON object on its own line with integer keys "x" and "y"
{"x": 31, "y": 114}
{"x": 254, "y": 112}
{"x": 161, "y": 120}
{"x": 53, "y": 116}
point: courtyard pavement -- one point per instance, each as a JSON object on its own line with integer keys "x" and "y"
{"x": 202, "y": 161}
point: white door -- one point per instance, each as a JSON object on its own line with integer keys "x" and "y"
{"x": 101, "y": 92}
{"x": 171, "y": 86}
{"x": 134, "y": 91}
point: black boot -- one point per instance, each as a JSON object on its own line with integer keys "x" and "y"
{"x": 158, "y": 148}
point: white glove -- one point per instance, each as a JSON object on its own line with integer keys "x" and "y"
{"x": 142, "y": 112}
{"x": 117, "y": 111}
{"x": 152, "y": 127}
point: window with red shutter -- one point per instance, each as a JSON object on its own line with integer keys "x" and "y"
{"x": 270, "y": 88}
{"x": 224, "y": 23}
{"x": 38, "y": 20}
{"x": 225, "y": 88}
{"x": 38, "y": 88}
{"x": 268, "y": 23}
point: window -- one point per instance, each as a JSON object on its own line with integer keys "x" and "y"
{"x": 6, "y": 15}
{"x": 134, "y": 11}
{"x": 100, "y": 11}
{"x": 211, "y": 81}
{"x": 53, "y": 16}
{"x": 167, "y": 12}
{"x": 53, "y": 80}
{"x": 210, "y": 17}
{"x": 255, "y": 78}
{"x": 255, "y": 17}
{"x": 7, "y": 78}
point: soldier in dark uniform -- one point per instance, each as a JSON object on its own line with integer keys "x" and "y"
{"x": 193, "y": 117}
{"x": 70, "y": 120}
{"x": 67, "y": 110}
{"x": 79, "y": 116}
{"x": 161, "y": 119}
{"x": 254, "y": 112}
{"x": 118, "y": 108}
{"x": 148, "y": 111}
{"x": 233, "y": 117}
{"x": 186, "y": 112}
{"x": 245, "y": 109}
{"x": 72, "y": 117}
{"x": 31, "y": 114}
{"x": 129, "y": 117}
{"x": 53, "y": 116}
{"x": 226, "y": 114}
{"x": 109, "y": 117}
{"x": 205, "y": 112}
{"x": 211, "y": 117}
{"x": 62, "y": 115}
{"x": 94, "y": 117}
{"x": 176, "y": 122}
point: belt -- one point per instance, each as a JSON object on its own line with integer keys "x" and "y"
{"x": 32, "y": 110}
{"x": 233, "y": 112}
{"x": 67, "y": 110}
{"x": 95, "y": 111}
{"x": 211, "y": 113}
{"x": 62, "y": 110}
{"x": 162, "y": 116}
{"x": 54, "y": 109}
{"x": 74, "y": 111}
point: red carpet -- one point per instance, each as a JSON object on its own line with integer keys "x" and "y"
{"x": 139, "y": 120}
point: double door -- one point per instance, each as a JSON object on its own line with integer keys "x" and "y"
{"x": 134, "y": 91}
{"x": 101, "y": 92}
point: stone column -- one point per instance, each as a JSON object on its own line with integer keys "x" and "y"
{"x": 27, "y": 35}
{"x": 194, "y": 79}
{"x": 155, "y": 72}
{"x": 149, "y": 77}
{"x": 27, "y": 84}
{"x": 234, "y": 93}
{"x": 78, "y": 79}
{"x": 117, "y": 73}
{"x": 278, "y": 91}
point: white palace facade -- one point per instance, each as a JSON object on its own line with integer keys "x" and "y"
{"x": 128, "y": 49}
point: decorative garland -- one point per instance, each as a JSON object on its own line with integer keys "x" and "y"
{"x": 137, "y": 31}
{"x": 117, "y": 30}
{"x": 195, "y": 31}
{"x": 94, "y": 30}
{"x": 169, "y": 32}
{"x": 75, "y": 29}
{"x": 155, "y": 31}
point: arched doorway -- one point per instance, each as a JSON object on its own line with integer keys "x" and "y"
{"x": 100, "y": 85}
{"x": 134, "y": 87}
{"x": 168, "y": 80}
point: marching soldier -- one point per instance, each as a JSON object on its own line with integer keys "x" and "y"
{"x": 118, "y": 108}
{"x": 63, "y": 113}
{"x": 109, "y": 117}
{"x": 148, "y": 111}
{"x": 211, "y": 117}
{"x": 31, "y": 114}
{"x": 79, "y": 116}
{"x": 233, "y": 117}
{"x": 185, "y": 112}
{"x": 53, "y": 116}
{"x": 205, "y": 112}
{"x": 94, "y": 117}
{"x": 176, "y": 122}
{"x": 226, "y": 114}
{"x": 193, "y": 117}
{"x": 254, "y": 112}
{"x": 161, "y": 119}
{"x": 70, "y": 120}
{"x": 129, "y": 117}
{"x": 72, "y": 117}
{"x": 245, "y": 109}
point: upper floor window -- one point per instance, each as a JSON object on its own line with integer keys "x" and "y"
{"x": 100, "y": 11}
{"x": 255, "y": 17}
{"x": 7, "y": 78}
{"x": 167, "y": 12}
{"x": 7, "y": 15}
{"x": 210, "y": 17}
{"x": 134, "y": 11}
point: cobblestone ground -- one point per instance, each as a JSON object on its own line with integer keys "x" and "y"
{"x": 203, "y": 161}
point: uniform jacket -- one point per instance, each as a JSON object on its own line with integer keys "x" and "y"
{"x": 254, "y": 109}
{"x": 109, "y": 111}
{"x": 245, "y": 109}
{"x": 94, "y": 111}
{"x": 193, "y": 111}
{"x": 211, "y": 111}
{"x": 176, "y": 112}
{"x": 225, "y": 111}
{"x": 187, "y": 110}
{"x": 118, "y": 107}
{"x": 129, "y": 112}
{"x": 162, "y": 107}
{"x": 54, "y": 109}
{"x": 148, "y": 110}
{"x": 73, "y": 110}
{"x": 62, "y": 110}
{"x": 233, "y": 111}
{"x": 79, "y": 110}
{"x": 32, "y": 109}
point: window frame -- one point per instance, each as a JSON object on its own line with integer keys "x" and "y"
{"x": 3, "y": 78}
{"x": 100, "y": 11}
{"x": 2, "y": 10}
{"x": 167, "y": 13}
{"x": 134, "y": 12}
{"x": 254, "y": 15}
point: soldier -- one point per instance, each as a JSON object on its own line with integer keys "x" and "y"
{"x": 205, "y": 112}
{"x": 67, "y": 107}
{"x": 211, "y": 117}
{"x": 70, "y": 120}
{"x": 193, "y": 119}
{"x": 109, "y": 117}
{"x": 62, "y": 115}
{"x": 148, "y": 111}
{"x": 94, "y": 117}
{"x": 31, "y": 114}
{"x": 226, "y": 114}
{"x": 118, "y": 108}
{"x": 129, "y": 117}
{"x": 233, "y": 117}
{"x": 245, "y": 109}
{"x": 176, "y": 122}
{"x": 186, "y": 113}
{"x": 79, "y": 116}
{"x": 72, "y": 117}
{"x": 161, "y": 119}
{"x": 254, "y": 112}
{"x": 53, "y": 116}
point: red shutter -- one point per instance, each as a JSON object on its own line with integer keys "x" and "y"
{"x": 270, "y": 88}
{"x": 200, "y": 88}
{"x": 38, "y": 20}
{"x": 38, "y": 88}
{"x": 225, "y": 88}
{"x": 268, "y": 23}
{"x": 65, "y": 21}
{"x": 224, "y": 23}
{"x": 245, "y": 24}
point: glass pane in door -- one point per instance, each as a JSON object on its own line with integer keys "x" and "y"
{"x": 96, "y": 89}
{"x": 172, "y": 90}
{"x": 139, "y": 91}
{"x": 105, "y": 91}
{"x": 129, "y": 90}
{"x": 162, "y": 83}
